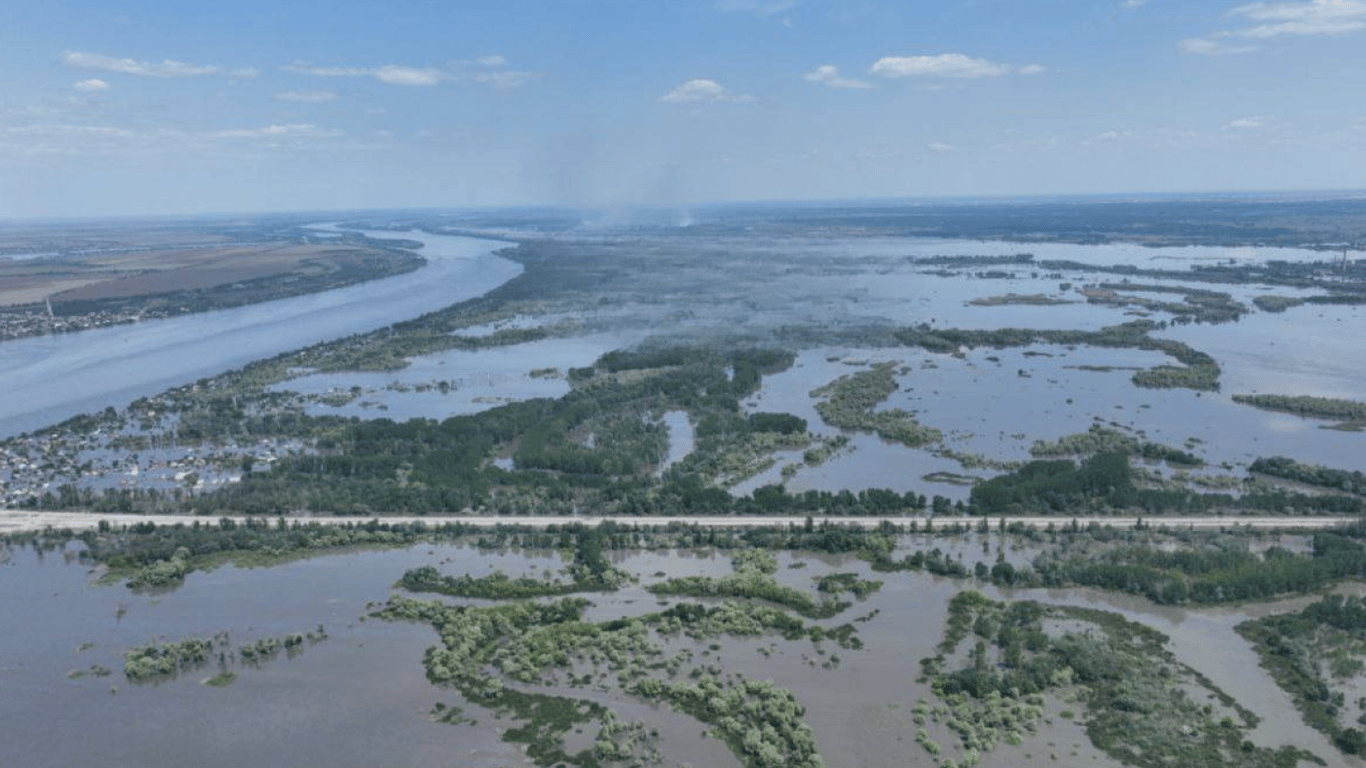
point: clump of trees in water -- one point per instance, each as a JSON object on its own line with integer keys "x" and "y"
{"x": 1138, "y": 709}
{"x": 1099, "y": 439}
{"x": 851, "y": 400}
{"x": 1217, "y": 574}
{"x": 487, "y": 651}
{"x": 753, "y": 579}
{"x": 590, "y": 572}
{"x": 155, "y": 661}
{"x": 1304, "y": 405}
{"x": 1310, "y": 474}
{"x": 1310, "y": 652}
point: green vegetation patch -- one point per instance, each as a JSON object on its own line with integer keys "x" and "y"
{"x": 222, "y": 680}
{"x": 1018, "y": 299}
{"x": 590, "y": 572}
{"x": 1311, "y": 474}
{"x": 753, "y": 579}
{"x": 1309, "y": 653}
{"x": 1100, "y": 439}
{"x": 485, "y": 652}
{"x": 760, "y": 722}
{"x": 952, "y": 478}
{"x": 839, "y": 583}
{"x": 156, "y": 660}
{"x": 1304, "y": 405}
{"x": 1139, "y": 705}
{"x": 1225, "y": 571}
{"x": 1273, "y": 303}
{"x": 851, "y": 400}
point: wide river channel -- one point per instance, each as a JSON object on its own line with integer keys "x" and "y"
{"x": 47, "y": 379}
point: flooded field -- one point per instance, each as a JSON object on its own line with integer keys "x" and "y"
{"x": 360, "y": 697}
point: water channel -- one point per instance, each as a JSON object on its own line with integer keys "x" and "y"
{"x": 47, "y": 379}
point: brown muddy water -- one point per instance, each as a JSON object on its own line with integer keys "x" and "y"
{"x": 360, "y": 697}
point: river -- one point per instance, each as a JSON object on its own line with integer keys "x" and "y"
{"x": 48, "y": 379}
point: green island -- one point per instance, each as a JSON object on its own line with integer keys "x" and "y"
{"x": 850, "y": 403}
{"x": 156, "y": 662}
{"x": 1351, "y": 411}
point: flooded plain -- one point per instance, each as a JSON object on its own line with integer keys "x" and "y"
{"x": 360, "y": 697}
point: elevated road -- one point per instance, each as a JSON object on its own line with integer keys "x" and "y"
{"x": 17, "y": 520}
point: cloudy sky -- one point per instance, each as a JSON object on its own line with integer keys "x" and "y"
{"x": 180, "y": 107}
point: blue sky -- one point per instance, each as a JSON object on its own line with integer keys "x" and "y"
{"x": 184, "y": 107}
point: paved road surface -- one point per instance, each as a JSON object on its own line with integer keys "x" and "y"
{"x": 15, "y": 520}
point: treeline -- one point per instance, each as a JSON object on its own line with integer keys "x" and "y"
{"x": 1104, "y": 483}
{"x": 1304, "y": 405}
{"x": 1210, "y": 575}
{"x": 1310, "y": 474}
{"x": 590, "y": 572}
{"x": 154, "y": 555}
{"x": 1058, "y": 486}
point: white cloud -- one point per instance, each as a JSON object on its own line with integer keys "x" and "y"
{"x": 293, "y": 130}
{"x": 489, "y": 70}
{"x": 1207, "y": 47}
{"x": 1129, "y": 5}
{"x": 1032, "y": 69}
{"x": 943, "y": 65}
{"x": 393, "y": 74}
{"x": 1245, "y": 123}
{"x": 93, "y": 84}
{"x": 1317, "y": 17}
{"x": 167, "y": 68}
{"x": 303, "y": 68}
{"x": 700, "y": 90}
{"x": 830, "y": 75}
{"x": 939, "y": 146}
{"x": 310, "y": 97}
{"x": 72, "y": 140}
{"x": 1271, "y": 20}
{"x": 397, "y": 75}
